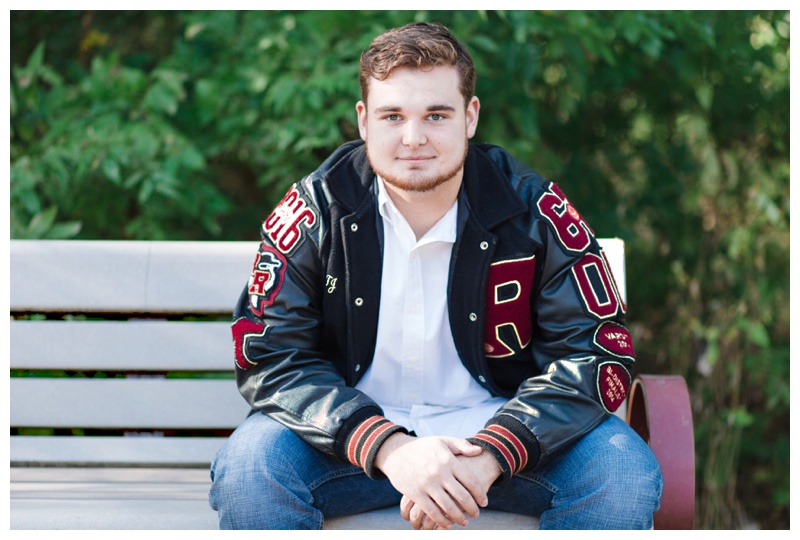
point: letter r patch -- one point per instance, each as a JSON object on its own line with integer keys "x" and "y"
{"x": 508, "y": 311}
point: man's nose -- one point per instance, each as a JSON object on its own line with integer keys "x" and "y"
{"x": 414, "y": 135}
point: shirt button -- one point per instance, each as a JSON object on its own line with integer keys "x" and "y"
{"x": 484, "y": 245}
{"x": 480, "y": 378}
{"x": 473, "y": 317}
{"x": 354, "y": 227}
{"x": 358, "y": 368}
{"x": 359, "y": 302}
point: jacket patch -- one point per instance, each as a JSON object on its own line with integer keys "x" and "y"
{"x": 614, "y": 339}
{"x": 508, "y": 311}
{"x": 243, "y": 331}
{"x": 613, "y": 383}
{"x": 572, "y": 231}
{"x": 287, "y": 225}
{"x": 596, "y": 286}
{"x": 266, "y": 279}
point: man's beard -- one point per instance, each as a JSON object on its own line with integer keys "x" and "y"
{"x": 416, "y": 181}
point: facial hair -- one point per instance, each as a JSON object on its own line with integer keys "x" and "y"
{"x": 417, "y": 181}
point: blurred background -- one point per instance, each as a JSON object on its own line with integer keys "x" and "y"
{"x": 669, "y": 130}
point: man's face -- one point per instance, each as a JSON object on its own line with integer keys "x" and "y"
{"x": 417, "y": 128}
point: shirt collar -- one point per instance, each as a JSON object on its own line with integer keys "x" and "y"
{"x": 443, "y": 231}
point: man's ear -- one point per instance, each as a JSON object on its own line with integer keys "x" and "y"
{"x": 361, "y": 110}
{"x": 473, "y": 112}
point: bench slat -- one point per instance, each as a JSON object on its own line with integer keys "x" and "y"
{"x": 114, "y": 499}
{"x": 114, "y": 451}
{"x": 121, "y": 345}
{"x": 128, "y": 277}
{"x": 110, "y": 499}
{"x": 126, "y": 403}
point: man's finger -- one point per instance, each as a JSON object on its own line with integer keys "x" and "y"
{"x": 406, "y": 505}
{"x": 438, "y": 515}
{"x": 464, "y": 498}
{"x": 450, "y": 506}
{"x": 417, "y": 517}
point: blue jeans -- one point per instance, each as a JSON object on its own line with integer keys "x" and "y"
{"x": 265, "y": 477}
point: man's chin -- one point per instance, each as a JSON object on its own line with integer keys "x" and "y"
{"x": 415, "y": 184}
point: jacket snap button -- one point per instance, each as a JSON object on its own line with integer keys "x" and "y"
{"x": 473, "y": 317}
{"x": 359, "y": 301}
{"x": 484, "y": 245}
{"x": 358, "y": 367}
{"x": 354, "y": 227}
{"x": 480, "y": 378}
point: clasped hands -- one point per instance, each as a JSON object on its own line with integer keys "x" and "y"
{"x": 444, "y": 480}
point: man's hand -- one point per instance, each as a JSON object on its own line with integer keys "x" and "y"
{"x": 486, "y": 469}
{"x": 427, "y": 471}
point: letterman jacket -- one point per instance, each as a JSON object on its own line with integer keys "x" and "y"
{"x": 534, "y": 310}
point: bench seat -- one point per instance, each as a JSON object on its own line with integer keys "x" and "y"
{"x": 160, "y": 498}
{"x": 122, "y": 389}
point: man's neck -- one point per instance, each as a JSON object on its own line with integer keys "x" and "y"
{"x": 422, "y": 210}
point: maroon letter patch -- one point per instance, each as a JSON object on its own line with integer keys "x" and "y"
{"x": 244, "y": 329}
{"x": 508, "y": 309}
{"x": 267, "y": 278}
{"x": 613, "y": 383}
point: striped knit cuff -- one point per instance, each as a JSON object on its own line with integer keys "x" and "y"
{"x": 513, "y": 453}
{"x": 366, "y": 440}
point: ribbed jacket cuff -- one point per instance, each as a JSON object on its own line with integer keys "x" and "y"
{"x": 366, "y": 439}
{"x": 511, "y": 443}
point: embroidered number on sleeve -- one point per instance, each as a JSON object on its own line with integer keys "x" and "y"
{"x": 596, "y": 286}
{"x": 283, "y": 225}
{"x": 572, "y": 231}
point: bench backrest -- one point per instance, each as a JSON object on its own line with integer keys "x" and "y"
{"x": 112, "y": 339}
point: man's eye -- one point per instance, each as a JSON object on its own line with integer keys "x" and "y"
{"x": 393, "y": 118}
{"x": 436, "y": 117}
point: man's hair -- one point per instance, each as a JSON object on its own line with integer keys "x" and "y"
{"x": 420, "y": 46}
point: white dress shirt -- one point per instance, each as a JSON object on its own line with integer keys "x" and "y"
{"x": 416, "y": 375}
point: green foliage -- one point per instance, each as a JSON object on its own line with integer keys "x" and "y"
{"x": 668, "y": 129}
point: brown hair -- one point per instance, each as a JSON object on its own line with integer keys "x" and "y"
{"x": 417, "y": 45}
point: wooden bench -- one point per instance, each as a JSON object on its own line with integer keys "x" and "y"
{"x": 122, "y": 389}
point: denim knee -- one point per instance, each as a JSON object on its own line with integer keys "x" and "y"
{"x": 610, "y": 479}
{"x": 254, "y": 479}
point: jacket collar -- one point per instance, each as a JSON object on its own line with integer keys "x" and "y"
{"x": 489, "y": 193}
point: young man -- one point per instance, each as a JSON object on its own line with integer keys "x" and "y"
{"x": 430, "y": 323}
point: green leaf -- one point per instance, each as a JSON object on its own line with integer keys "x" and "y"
{"x": 41, "y": 223}
{"x": 65, "y": 230}
{"x": 111, "y": 170}
{"x": 159, "y": 99}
